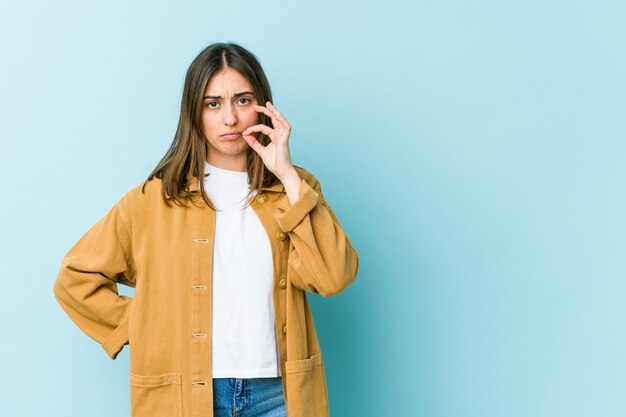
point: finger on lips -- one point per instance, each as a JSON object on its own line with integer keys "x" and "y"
{"x": 258, "y": 128}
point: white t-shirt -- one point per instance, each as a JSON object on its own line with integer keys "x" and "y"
{"x": 243, "y": 334}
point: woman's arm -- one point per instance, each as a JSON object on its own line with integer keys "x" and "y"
{"x": 323, "y": 258}
{"x": 86, "y": 285}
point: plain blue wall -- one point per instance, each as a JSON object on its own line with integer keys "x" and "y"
{"x": 473, "y": 151}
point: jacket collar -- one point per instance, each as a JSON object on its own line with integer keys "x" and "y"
{"x": 194, "y": 187}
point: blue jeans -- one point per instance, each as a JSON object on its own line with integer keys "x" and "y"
{"x": 248, "y": 397}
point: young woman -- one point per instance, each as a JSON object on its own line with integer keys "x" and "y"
{"x": 221, "y": 243}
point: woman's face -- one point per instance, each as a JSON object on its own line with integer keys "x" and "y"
{"x": 228, "y": 106}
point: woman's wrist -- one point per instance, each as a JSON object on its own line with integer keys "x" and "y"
{"x": 291, "y": 182}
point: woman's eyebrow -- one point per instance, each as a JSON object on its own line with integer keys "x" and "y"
{"x": 235, "y": 95}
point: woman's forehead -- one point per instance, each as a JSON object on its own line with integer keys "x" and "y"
{"x": 228, "y": 83}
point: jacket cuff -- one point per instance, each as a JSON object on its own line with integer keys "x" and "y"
{"x": 288, "y": 215}
{"x": 115, "y": 342}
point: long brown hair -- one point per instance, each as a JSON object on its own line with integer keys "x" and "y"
{"x": 185, "y": 159}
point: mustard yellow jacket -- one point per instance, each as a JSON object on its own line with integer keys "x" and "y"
{"x": 165, "y": 253}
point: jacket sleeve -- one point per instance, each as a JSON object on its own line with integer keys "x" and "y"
{"x": 86, "y": 285}
{"x": 322, "y": 258}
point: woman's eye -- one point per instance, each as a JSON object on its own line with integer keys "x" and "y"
{"x": 210, "y": 103}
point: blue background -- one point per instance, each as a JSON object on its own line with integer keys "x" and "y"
{"x": 473, "y": 151}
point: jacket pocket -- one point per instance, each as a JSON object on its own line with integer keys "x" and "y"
{"x": 307, "y": 394}
{"x": 156, "y": 395}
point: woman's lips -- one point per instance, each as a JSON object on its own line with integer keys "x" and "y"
{"x": 232, "y": 136}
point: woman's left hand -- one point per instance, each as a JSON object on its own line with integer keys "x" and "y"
{"x": 275, "y": 155}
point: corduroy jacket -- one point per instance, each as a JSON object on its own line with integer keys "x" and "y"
{"x": 165, "y": 253}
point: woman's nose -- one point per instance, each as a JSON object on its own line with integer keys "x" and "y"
{"x": 230, "y": 116}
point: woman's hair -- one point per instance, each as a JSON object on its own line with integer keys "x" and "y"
{"x": 187, "y": 154}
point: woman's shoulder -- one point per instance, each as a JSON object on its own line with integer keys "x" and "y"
{"x": 146, "y": 188}
{"x": 141, "y": 194}
{"x": 306, "y": 175}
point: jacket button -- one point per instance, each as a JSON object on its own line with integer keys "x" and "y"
{"x": 262, "y": 198}
{"x": 285, "y": 329}
{"x": 282, "y": 283}
{"x": 281, "y": 235}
